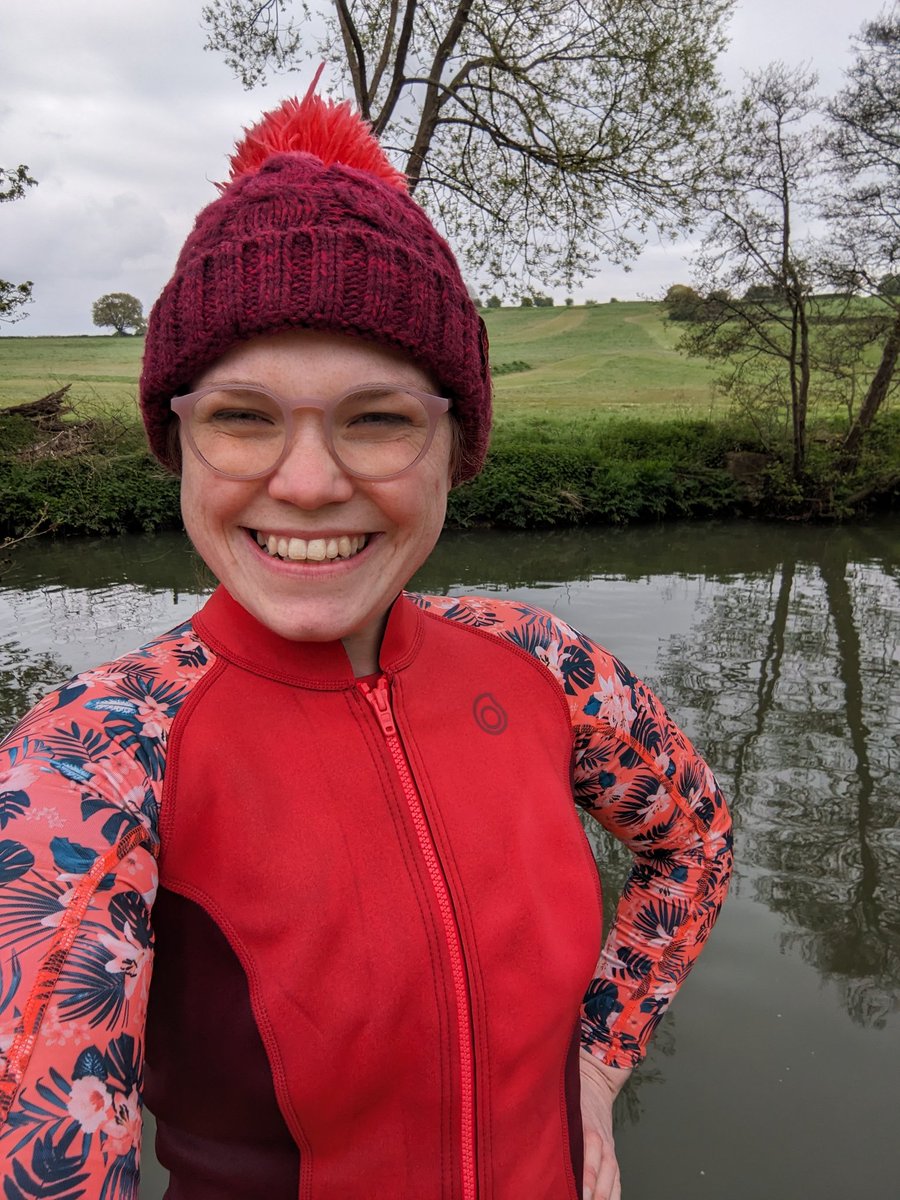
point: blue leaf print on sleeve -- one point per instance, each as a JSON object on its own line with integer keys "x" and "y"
{"x": 90, "y": 1062}
{"x": 54, "y": 1172}
{"x": 68, "y": 693}
{"x": 8, "y": 989}
{"x": 124, "y": 1062}
{"x": 129, "y": 912}
{"x": 75, "y": 771}
{"x": 12, "y": 805}
{"x": 15, "y": 861}
{"x": 70, "y": 857}
{"x": 112, "y": 704}
{"x": 601, "y": 1003}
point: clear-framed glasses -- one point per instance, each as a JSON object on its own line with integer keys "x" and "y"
{"x": 243, "y": 431}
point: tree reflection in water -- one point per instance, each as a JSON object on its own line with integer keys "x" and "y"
{"x": 791, "y": 684}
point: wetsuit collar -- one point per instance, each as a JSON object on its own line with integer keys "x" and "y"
{"x": 234, "y": 634}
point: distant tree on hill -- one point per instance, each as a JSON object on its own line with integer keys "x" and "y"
{"x": 526, "y": 302}
{"x": 14, "y": 295}
{"x": 683, "y": 303}
{"x": 119, "y": 311}
{"x": 494, "y": 302}
{"x": 569, "y": 301}
{"x": 543, "y": 301}
{"x": 761, "y": 293}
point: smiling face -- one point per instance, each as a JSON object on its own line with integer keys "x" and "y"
{"x": 310, "y": 551}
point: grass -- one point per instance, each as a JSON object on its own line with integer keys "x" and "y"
{"x": 604, "y": 361}
{"x": 102, "y": 370}
{"x": 612, "y": 360}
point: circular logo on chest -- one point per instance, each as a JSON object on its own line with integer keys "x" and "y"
{"x": 489, "y": 715}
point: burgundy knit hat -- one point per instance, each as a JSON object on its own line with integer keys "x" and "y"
{"x": 316, "y": 230}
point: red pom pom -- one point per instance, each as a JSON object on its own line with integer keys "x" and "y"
{"x": 332, "y": 131}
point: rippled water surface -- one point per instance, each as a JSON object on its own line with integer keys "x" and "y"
{"x": 777, "y": 649}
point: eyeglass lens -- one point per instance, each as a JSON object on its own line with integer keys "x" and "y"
{"x": 375, "y": 431}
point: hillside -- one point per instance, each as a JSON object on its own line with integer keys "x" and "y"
{"x": 616, "y": 359}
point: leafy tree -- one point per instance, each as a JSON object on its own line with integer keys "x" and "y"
{"x": 14, "y": 295}
{"x": 541, "y": 133}
{"x": 494, "y": 302}
{"x": 119, "y": 311}
{"x": 863, "y": 211}
{"x": 683, "y": 303}
{"x": 569, "y": 301}
{"x": 759, "y": 187}
{"x": 526, "y": 302}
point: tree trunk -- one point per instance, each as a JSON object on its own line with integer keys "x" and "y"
{"x": 878, "y": 390}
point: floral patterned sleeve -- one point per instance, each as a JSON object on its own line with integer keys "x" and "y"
{"x": 640, "y": 777}
{"x": 79, "y": 789}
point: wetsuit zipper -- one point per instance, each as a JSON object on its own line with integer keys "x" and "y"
{"x": 379, "y": 698}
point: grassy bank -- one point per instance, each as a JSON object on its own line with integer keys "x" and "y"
{"x": 540, "y": 473}
{"x": 599, "y": 420}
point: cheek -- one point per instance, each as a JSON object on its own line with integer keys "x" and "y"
{"x": 208, "y": 506}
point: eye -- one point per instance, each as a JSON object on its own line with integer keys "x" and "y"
{"x": 237, "y": 411}
{"x": 240, "y": 416}
{"x": 376, "y": 416}
{"x": 379, "y": 411}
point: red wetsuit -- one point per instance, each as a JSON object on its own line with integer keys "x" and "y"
{"x": 378, "y": 920}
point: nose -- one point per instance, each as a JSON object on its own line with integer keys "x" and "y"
{"x": 309, "y": 476}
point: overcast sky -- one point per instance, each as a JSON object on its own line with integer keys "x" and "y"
{"x": 125, "y": 121}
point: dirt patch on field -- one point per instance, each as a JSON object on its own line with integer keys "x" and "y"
{"x": 564, "y": 322}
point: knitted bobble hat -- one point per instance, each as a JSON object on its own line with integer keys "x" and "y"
{"x": 316, "y": 230}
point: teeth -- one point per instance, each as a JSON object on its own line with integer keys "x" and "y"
{"x": 314, "y": 550}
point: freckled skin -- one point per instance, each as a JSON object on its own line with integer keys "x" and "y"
{"x": 310, "y": 496}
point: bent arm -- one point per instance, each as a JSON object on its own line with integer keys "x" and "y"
{"x": 641, "y": 778}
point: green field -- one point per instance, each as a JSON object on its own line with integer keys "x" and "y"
{"x": 103, "y": 371}
{"x": 613, "y": 359}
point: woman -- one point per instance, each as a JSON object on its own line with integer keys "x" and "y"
{"x": 339, "y": 817}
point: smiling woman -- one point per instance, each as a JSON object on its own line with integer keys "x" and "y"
{"x": 336, "y": 821}
{"x": 255, "y": 528}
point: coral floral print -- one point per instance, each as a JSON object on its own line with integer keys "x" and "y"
{"x": 80, "y": 783}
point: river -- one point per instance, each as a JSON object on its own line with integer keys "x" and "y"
{"x": 778, "y": 1071}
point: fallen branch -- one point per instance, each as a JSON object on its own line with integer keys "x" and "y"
{"x": 42, "y": 525}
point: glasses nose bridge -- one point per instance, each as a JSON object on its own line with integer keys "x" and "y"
{"x": 308, "y": 404}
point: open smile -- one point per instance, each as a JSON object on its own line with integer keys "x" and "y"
{"x": 297, "y": 549}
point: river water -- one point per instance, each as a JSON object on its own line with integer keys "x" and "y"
{"x": 777, "y": 1074}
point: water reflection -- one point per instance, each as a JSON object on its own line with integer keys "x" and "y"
{"x": 777, "y": 649}
{"x": 795, "y": 697}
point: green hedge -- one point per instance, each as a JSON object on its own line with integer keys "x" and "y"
{"x": 539, "y": 473}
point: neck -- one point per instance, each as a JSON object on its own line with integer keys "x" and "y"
{"x": 363, "y": 648}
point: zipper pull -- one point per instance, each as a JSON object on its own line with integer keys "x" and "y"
{"x": 380, "y": 701}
